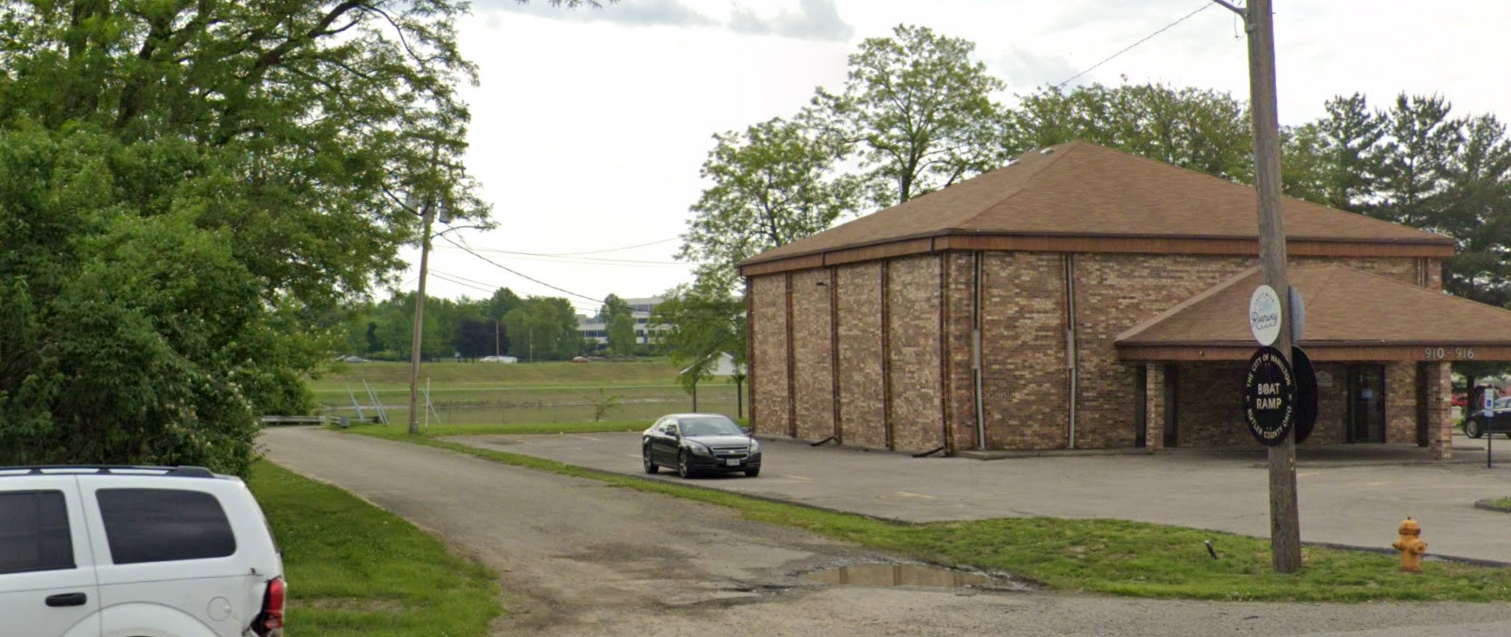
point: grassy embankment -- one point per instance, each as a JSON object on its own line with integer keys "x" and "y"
{"x": 468, "y": 394}
{"x": 354, "y": 569}
{"x": 1108, "y": 556}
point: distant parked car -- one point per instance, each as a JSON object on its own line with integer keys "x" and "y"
{"x": 698, "y": 443}
{"x": 1476, "y": 425}
{"x": 580, "y": 359}
{"x": 498, "y": 359}
{"x": 352, "y": 359}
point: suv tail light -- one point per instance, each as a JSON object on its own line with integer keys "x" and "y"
{"x": 269, "y": 622}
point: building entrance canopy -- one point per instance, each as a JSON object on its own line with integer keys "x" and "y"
{"x": 1350, "y": 316}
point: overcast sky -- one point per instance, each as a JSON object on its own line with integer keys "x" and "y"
{"x": 589, "y": 125}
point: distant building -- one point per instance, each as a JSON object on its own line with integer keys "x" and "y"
{"x": 597, "y": 331}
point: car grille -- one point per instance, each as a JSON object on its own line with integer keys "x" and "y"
{"x": 731, "y": 452}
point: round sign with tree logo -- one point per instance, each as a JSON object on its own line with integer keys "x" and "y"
{"x": 1269, "y": 396}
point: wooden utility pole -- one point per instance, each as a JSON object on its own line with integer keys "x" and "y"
{"x": 1285, "y": 524}
{"x": 428, "y": 214}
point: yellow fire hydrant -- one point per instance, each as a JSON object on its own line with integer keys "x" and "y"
{"x": 1411, "y": 546}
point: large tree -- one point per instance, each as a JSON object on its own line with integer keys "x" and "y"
{"x": 772, "y": 184}
{"x": 619, "y": 321}
{"x": 1421, "y": 138}
{"x": 698, "y": 325}
{"x": 188, "y": 192}
{"x": 1200, "y": 129}
{"x": 918, "y": 109}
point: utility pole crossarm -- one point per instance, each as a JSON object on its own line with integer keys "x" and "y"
{"x": 1235, "y": 9}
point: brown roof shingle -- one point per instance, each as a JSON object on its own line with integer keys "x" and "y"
{"x": 1080, "y": 189}
{"x": 1344, "y": 308}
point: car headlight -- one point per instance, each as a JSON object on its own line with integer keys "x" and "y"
{"x": 755, "y": 447}
{"x": 699, "y": 448}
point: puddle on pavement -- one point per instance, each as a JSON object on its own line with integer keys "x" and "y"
{"x": 882, "y": 575}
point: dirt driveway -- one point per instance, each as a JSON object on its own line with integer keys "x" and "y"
{"x": 1353, "y": 496}
{"x": 578, "y": 558}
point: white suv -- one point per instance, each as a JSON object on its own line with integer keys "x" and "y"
{"x": 135, "y": 552}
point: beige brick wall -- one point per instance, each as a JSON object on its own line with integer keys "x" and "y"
{"x": 1209, "y": 405}
{"x": 1400, "y": 269}
{"x": 813, "y": 386}
{"x": 913, "y": 295}
{"x": 960, "y": 347}
{"x": 1024, "y": 373}
{"x": 1024, "y": 378}
{"x": 768, "y": 319}
{"x": 1332, "y": 405}
{"x": 1113, "y": 293}
{"x": 1401, "y": 402}
{"x": 860, "y": 355}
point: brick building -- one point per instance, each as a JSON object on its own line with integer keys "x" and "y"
{"x": 1086, "y": 298}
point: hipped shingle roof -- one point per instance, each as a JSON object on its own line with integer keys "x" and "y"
{"x": 1344, "y": 307}
{"x": 1080, "y": 189}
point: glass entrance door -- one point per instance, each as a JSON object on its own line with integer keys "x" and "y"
{"x": 1366, "y": 403}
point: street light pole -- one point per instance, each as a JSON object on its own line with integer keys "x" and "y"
{"x": 428, "y": 214}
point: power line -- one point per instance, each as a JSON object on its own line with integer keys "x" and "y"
{"x": 518, "y": 273}
{"x": 587, "y": 260}
{"x": 1204, "y": 7}
{"x": 575, "y": 254}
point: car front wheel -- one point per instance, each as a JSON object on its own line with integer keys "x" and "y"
{"x": 650, "y": 465}
{"x": 1472, "y": 428}
{"x": 684, "y": 464}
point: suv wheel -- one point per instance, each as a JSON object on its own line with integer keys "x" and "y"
{"x": 1472, "y": 428}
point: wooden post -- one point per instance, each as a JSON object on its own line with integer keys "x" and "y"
{"x": 419, "y": 324}
{"x": 1285, "y": 525}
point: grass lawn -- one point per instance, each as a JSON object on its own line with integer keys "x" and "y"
{"x": 496, "y": 394}
{"x": 386, "y": 375}
{"x": 355, "y": 569}
{"x": 1108, "y": 556}
{"x": 1499, "y": 504}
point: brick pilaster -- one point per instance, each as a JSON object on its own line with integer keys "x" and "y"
{"x": 1439, "y": 405}
{"x": 1154, "y": 406}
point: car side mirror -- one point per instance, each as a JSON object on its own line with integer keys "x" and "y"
{"x": 745, "y": 430}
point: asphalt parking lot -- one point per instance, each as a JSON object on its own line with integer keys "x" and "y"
{"x": 1349, "y": 495}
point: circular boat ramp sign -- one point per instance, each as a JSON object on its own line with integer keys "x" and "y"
{"x": 1269, "y": 396}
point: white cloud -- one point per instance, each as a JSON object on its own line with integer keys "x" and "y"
{"x": 814, "y": 19}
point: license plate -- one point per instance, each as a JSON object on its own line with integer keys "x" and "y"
{"x": 732, "y": 462}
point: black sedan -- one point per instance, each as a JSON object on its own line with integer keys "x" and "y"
{"x": 1476, "y": 424}
{"x": 698, "y": 443}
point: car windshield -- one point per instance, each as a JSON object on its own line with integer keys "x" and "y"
{"x": 1503, "y": 403}
{"x": 711, "y": 426}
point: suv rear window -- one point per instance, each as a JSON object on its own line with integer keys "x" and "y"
{"x": 34, "y": 532}
{"x": 164, "y": 525}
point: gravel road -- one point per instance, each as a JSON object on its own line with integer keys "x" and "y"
{"x": 578, "y": 558}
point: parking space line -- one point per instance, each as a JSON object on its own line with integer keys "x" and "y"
{"x": 586, "y": 437}
{"x": 797, "y": 477}
{"x": 905, "y": 494}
